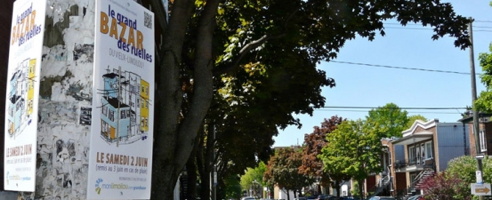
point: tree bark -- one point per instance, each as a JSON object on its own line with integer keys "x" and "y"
{"x": 176, "y": 132}
{"x": 191, "y": 169}
{"x": 361, "y": 190}
{"x": 166, "y": 163}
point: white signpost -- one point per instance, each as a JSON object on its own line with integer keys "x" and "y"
{"x": 481, "y": 189}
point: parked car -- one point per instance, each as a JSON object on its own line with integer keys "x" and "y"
{"x": 382, "y": 198}
{"x": 323, "y": 197}
{"x": 415, "y": 197}
{"x": 248, "y": 198}
{"x": 350, "y": 198}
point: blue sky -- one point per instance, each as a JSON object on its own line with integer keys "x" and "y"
{"x": 403, "y": 47}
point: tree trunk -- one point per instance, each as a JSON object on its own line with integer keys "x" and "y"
{"x": 164, "y": 178}
{"x": 191, "y": 170}
{"x": 205, "y": 186}
{"x": 337, "y": 188}
{"x": 361, "y": 189}
{"x": 205, "y": 160}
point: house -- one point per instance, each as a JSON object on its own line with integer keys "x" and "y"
{"x": 424, "y": 149}
{"x": 380, "y": 183}
{"x": 484, "y": 136}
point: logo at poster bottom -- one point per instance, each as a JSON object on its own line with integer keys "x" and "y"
{"x": 98, "y": 185}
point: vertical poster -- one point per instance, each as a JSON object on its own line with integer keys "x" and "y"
{"x": 120, "y": 162}
{"x": 21, "y": 105}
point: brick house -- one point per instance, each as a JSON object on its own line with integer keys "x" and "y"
{"x": 485, "y": 134}
{"x": 424, "y": 149}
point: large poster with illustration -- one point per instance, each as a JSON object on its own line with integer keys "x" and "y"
{"x": 21, "y": 105}
{"x": 123, "y": 102}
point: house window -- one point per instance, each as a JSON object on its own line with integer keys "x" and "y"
{"x": 412, "y": 154}
{"x": 111, "y": 115}
{"x": 422, "y": 153}
{"x": 483, "y": 145}
{"x": 123, "y": 114}
{"x": 428, "y": 150}
{"x": 104, "y": 127}
{"x": 105, "y": 110}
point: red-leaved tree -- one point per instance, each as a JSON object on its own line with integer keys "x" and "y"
{"x": 313, "y": 143}
{"x": 445, "y": 186}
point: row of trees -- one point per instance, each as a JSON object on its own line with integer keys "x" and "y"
{"x": 341, "y": 150}
{"x": 337, "y": 151}
{"x": 229, "y": 73}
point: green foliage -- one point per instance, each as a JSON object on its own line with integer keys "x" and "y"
{"x": 484, "y": 101}
{"x": 387, "y": 121}
{"x": 354, "y": 191}
{"x": 253, "y": 176}
{"x": 258, "y": 59}
{"x": 352, "y": 151}
{"x": 232, "y": 188}
{"x": 464, "y": 168}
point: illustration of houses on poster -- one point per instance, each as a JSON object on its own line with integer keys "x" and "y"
{"x": 21, "y": 106}
{"x": 120, "y": 162}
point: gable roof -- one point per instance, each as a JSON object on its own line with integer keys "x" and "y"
{"x": 411, "y": 135}
{"x": 420, "y": 124}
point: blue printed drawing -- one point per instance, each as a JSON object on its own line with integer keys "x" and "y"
{"x": 124, "y": 107}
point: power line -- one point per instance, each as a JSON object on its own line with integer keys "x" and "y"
{"x": 424, "y": 29}
{"x": 402, "y": 108}
{"x": 367, "y": 108}
{"x": 483, "y": 21}
{"x": 482, "y": 27}
{"x": 365, "y": 111}
{"x": 404, "y": 68}
{"x": 420, "y": 27}
{"x": 481, "y": 30}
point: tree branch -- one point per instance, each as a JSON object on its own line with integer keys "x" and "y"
{"x": 244, "y": 51}
{"x": 203, "y": 82}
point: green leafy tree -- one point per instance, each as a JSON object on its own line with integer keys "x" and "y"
{"x": 352, "y": 151}
{"x": 464, "y": 168}
{"x": 198, "y": 42}
{"x": 484, "y": 101}
{"x": 232, "y": 187}
{"x": 253, "y": 179}
{"x": 387, "y": 121}
{"x": 311, "y": 163}
{"x": 201, "y": 42}
{"x": 283, "y": 170}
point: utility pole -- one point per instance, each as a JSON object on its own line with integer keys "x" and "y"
{"x": 476, "y": 128}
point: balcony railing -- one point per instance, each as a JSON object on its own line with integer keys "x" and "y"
{"x": 423, "y": 163}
